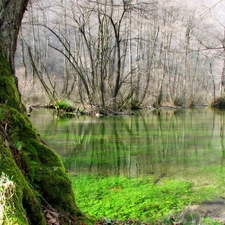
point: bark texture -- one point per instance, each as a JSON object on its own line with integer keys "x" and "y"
{"x": 11, "y": 14}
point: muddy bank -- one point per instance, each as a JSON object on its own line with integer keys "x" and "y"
{"x": 213, "y": 209}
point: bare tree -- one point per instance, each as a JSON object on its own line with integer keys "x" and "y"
{"x": 111, "y": 53}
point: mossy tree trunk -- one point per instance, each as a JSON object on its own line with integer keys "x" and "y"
{"x": 38, "y": 183}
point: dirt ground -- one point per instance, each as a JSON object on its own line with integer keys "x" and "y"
{"x": 213, "y": 209}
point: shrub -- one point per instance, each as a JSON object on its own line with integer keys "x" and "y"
{"x": 64, "y": 105}
{"x": 218, "y": 103}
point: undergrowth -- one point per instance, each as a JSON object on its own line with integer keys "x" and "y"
{"x": 64, "y": 105}
{"x": 136, "y": 198}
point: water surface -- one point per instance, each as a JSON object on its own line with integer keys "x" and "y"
{"x": 182, "y": 144}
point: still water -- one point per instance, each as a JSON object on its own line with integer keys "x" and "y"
{"x": 180, "y": 144}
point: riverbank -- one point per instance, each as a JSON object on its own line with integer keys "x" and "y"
{"x": 144, "y": 167}
{"x": 122, "y": 200}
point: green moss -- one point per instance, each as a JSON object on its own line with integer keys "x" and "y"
{"x": 17, "y": 123}
{"x": 43, "y": 164}
{"x": 57, "y": 190}
{"x": 43, "y": 153}
{"x": 8, "y": 90}
{"x": 33, "y": 206}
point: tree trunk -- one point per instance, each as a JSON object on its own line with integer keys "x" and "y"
{"x": 33, "y": 180}
{"x": 10, "y": 22}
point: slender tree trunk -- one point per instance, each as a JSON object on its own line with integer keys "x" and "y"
{"x": 213, "y": 81}
{"x": 222, "y": 81}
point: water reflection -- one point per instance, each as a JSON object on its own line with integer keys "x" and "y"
{"x": 176, "y": 143}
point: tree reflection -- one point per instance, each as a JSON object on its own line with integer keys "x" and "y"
{"x": 167, "y": 143}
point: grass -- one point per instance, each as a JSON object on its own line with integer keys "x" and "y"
{"x": 136, "y": 198}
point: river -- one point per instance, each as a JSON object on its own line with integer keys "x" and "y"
{"x": 184, "y": 143}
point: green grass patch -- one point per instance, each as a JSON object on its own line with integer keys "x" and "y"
{"x": 136, "y": 198}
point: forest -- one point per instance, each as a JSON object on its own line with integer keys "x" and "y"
{"x": 121, "y": 54}
{"x": 113, "y": 54}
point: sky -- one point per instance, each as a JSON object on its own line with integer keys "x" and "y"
{"x": 211, "y": 11}
{"x": 209, "y": 8}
